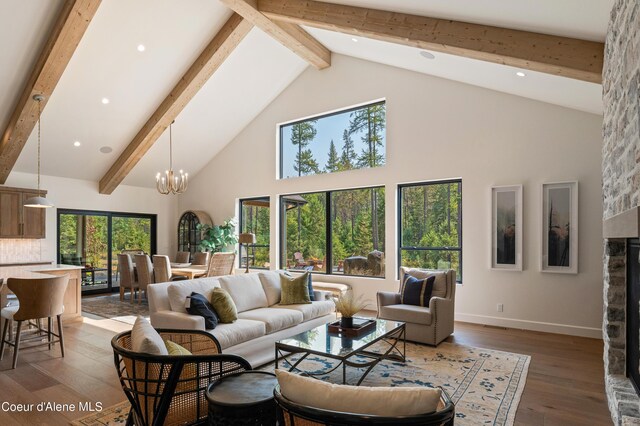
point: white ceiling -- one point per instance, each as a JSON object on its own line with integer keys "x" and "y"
{"x": 107, "y": 64}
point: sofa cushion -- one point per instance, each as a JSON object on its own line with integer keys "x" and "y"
{"x": 145, "y": 338}
{"x": 406, "y": 313}
{"x": 223, "y": 306}
{"x": 238, "y": 332}
{"x": 271, "y": 285}
{"x": 179, "y": 291}
{"x": 245, "y": 290}
{"x": 312, "y": 310}
{"x": 439, "y": 285}
{"x": 274, "y": 319}
{"x": 378, "y": 401}
{"x": 295, "y": 291}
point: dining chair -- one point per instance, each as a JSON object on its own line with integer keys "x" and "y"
{"x": 201, "y": 258}
{"x": 38, "y": 298}
{"x": 127, "y": 276}
{"x": 146, "y": 274}
{"x": 162, "y": 269}
{"x": 221, "y": 264}
{"x": 183, "y": 257}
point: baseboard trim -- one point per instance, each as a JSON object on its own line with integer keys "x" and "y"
{"x": 547, "y": 327}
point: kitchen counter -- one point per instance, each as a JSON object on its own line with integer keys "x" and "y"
{"x": 72, "y": 297}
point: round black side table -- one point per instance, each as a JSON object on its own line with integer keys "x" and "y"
{"x": 244, "y": 398}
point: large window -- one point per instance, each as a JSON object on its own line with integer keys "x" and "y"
{"x": 430, "y": 225}
{"x": 254, "y": 219}
{"x": 92, "y": 239}
{"x": 344, "y": 140}
{"x": 334, "y": 232}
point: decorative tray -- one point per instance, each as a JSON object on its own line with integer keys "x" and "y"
{"x": 361, "y": 326}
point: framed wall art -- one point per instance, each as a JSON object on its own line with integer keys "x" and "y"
{"x": 506, "y": 228}
{"x": 560, "y": 227}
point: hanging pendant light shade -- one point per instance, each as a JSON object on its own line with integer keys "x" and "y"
{"x": 172, "y": 183}
{"x": 38, "y": 202}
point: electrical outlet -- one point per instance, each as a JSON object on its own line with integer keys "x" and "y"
{"x": 500, "y": 307}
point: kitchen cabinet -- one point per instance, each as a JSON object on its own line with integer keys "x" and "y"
{"x": 17, "y": 221}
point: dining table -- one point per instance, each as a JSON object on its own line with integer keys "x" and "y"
{"x": 191, "y": 272}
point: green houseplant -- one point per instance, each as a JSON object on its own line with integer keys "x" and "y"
{"x": 216, "y": 238}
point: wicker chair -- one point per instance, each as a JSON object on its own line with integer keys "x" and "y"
{"x": 221, "y": 264}
{"x": 170, "y": 389}
{"x": 162, "y": 269}
{"x": 127, "y": 276}
{"x": 292, "y": 414}
{"x": 183, "y": 257}
{"x": 145, "y": 274}
{"x": 201, "y": 258}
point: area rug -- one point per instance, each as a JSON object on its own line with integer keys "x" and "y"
{"x": 111, "y": 307}
{"x": 485, "y": 385}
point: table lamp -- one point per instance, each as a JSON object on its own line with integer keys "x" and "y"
{"x": 247, "y": 239}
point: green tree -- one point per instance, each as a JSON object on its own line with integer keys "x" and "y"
{"x": 349, "y": 156}
{"x": 371, "y": 121}
{"x": 302, "y": 134}
{"x": 333, "y": 162}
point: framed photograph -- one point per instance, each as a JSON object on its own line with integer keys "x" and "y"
{"x": 506, "y": 228}
{"x": 560, "y": 227}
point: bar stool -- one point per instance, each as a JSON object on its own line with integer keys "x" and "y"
{"x": 38, "y": 298}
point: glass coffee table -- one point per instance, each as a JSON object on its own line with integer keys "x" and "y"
{"x": 348, "y": 351}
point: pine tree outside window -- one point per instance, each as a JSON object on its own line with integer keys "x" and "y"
{"x": 254, "y": 219}
{"x": 349, "y": 139}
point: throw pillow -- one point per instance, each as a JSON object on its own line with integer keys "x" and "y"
{"x": 295, "y": 291}
{"x": 197, "y": 304}
{"x": 415, "y": 291}
{"x": 145, "y": 338}
{"x": 224, "y": 306}
{"x": 175, "y": 349}
{"x": 375, "y": 401}
{"x": 312, "y": 296}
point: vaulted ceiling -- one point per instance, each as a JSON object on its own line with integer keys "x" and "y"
{"x": 107, "y": 64}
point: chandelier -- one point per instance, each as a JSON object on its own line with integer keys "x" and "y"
{"x": 172, "y": 183}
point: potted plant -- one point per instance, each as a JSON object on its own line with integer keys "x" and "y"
{"x": 217, "y": 238}
{"x": 348, "y": 305}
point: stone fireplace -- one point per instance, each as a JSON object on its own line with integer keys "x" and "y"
{"x": 621, "y": 193}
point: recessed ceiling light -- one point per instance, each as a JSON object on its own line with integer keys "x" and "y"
{"x": 427, "y": 55}
{"x": 77, "y": 143}
{"x": 105, "y": 100}
{"x": 106, "y": 149}
{"x": 520, "y": 74}
{"x": 141, "y": 48}
{"x": 353, "y": 39}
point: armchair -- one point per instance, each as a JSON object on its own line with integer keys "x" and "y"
{"x": 432, "y": 324}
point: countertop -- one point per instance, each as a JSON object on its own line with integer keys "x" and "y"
{"x": 35, "y": 271}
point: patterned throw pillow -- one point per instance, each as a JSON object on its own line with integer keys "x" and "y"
{"x": 295, "y": 291}
{"x": 197, "y": 304}
{"x": 175, "y": 349}
{"x": 309, "y": 284}
{"x": 224, "y": 306}
{"x": 415, "y": 291}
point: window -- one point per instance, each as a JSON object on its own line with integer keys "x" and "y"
{"x": 344, "y": 140}
{"x": 430, "y": 225}
{"x": 334, "y": 232}
{"x": 254, "y": 219}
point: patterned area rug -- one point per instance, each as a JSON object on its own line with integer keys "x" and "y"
{"x": 114, "y": 415}
{"x": 111, "y": 307}
{"x": 485, "y": 385}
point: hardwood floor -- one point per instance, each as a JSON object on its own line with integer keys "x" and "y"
{"x": 565, "y": 384}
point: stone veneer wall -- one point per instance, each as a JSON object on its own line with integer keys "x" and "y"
{"x": 621, "y": 184}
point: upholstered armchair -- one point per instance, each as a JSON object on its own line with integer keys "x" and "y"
{"x": 432, "y": 324}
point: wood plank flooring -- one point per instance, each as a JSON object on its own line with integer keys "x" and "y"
{"x": 565, "y": 385}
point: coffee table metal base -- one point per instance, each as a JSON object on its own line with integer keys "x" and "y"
{"x": 393, "y": 340}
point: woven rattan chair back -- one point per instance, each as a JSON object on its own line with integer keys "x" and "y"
{"x": 201, "y": 258}
{"x": 292, "y": 414}
{"x": 170, "y": 389}
{"x": 221, "y": 264}
{"x": 183, "y": 257}
{"x": 145, "y": 271}
{"x": 162, "y": 268}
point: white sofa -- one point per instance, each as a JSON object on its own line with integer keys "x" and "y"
{"x": 261, "y": 319}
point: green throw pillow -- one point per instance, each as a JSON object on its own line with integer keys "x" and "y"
{"x": 224, "y": 306}
{"x": 175, "y": 349}
{"x": 295, "y": 291}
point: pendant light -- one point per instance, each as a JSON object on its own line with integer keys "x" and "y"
{"x": 171, "y": 183}
{"x": 38, "y": 201}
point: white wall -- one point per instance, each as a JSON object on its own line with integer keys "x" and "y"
{"x": 69, "y": 193}
{"x": 439, "y": 129}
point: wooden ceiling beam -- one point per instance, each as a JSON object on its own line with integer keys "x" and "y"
{"x": 71, "y": 24}
{"x": 289, "y": 35}
{"x": 563, "y": 56}
{"x": 216, "y": 52}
